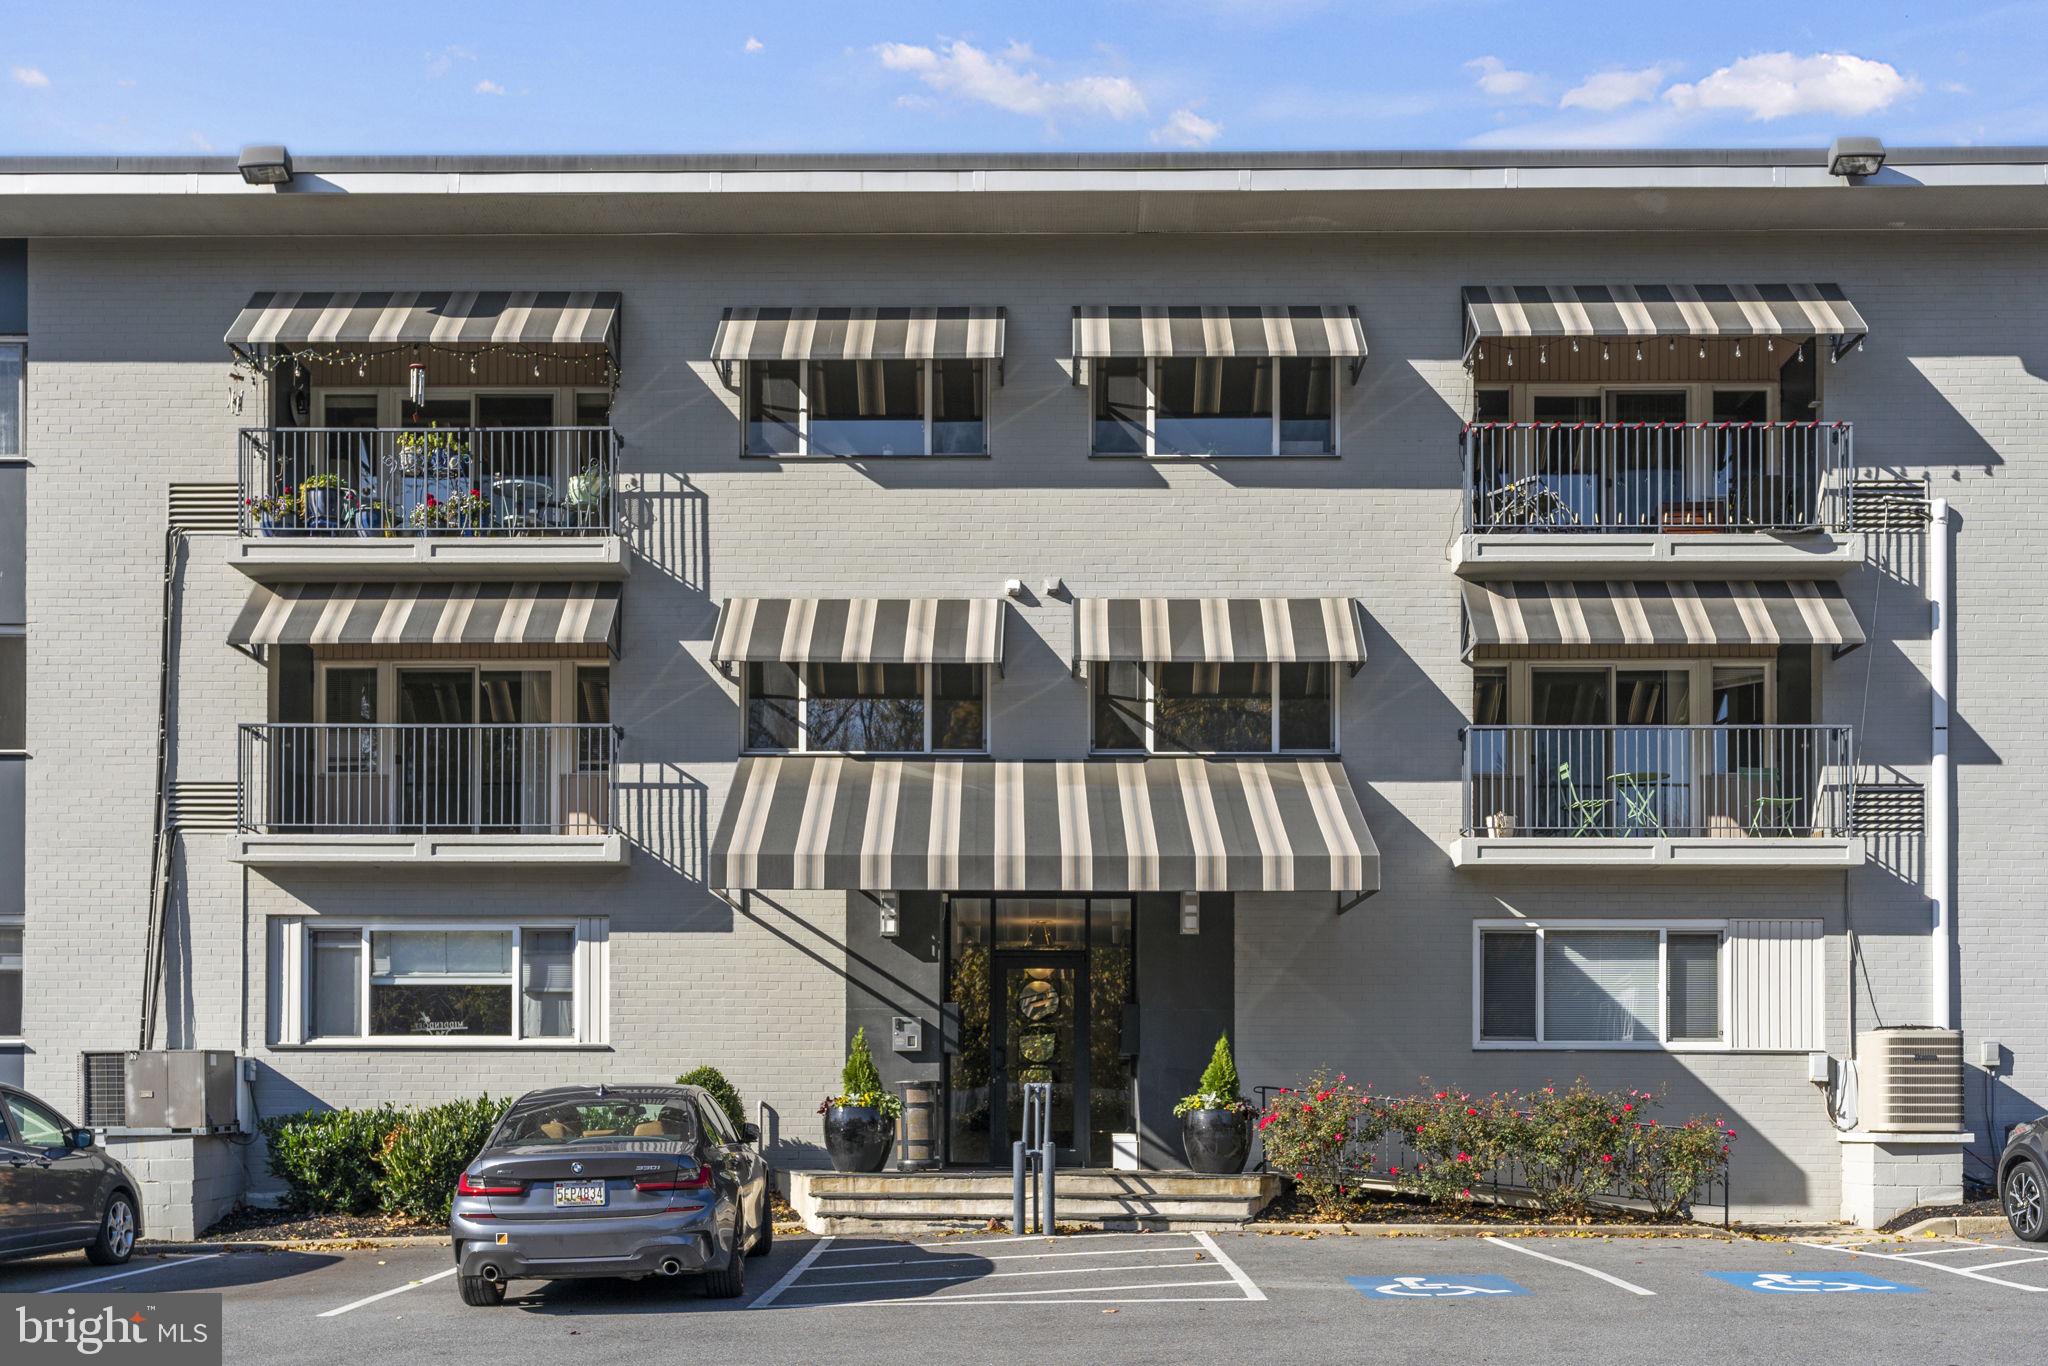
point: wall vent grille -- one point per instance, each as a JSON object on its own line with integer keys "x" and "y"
{"x": 103, "y": 1089}
{"x": 1889, "y": 809}
{"x": 197, "y": 806}
{"x": 205, "y": 509}
{"x": 1888, "y": 504}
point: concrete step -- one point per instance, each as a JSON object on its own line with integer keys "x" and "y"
{"x": 833, "y": 1202}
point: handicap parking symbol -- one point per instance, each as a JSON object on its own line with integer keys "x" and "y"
{"x": 1454, "y": 1287}
{"x": 1818, "y": 1283}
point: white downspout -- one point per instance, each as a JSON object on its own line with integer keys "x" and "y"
{"x": 1941, "y": 767}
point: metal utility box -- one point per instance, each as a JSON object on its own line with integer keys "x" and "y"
{"x": 185, "y": 1090}
{"x": 1911, "y": 1080}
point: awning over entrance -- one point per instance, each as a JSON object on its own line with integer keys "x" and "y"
{"x": 560, "y": 614}
{"x": 1503, "y": 620}
{"x": 1218, "y": 631}
{"x": 1109, "y": 826}
{"x": 964, "y": 332}
{"x": 859, "y": 631}
{"x": 446, "y": 317}
{"x": 1509, "y": 311}
{"x": 1111, "y": 331}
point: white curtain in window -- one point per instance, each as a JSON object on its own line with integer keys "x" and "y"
{"x": 547, "y": 960}
{"x": 337, "y": 983}
{"x": 440, "y": 953}
{"x": 1600, "y": 986}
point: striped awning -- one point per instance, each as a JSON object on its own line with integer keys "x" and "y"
{"x": 859, "y": 631}
{"x": 1218, "y": 631}
{"x": 1163, "y": 825}
{"x": 1504, "y": 619}
{"x": 1106, "y": 331}
{"x": 559, "y": 317}
{"x": 1509, "y": 311}
{"x": 966, "y": 332}
{"x": 562, "y": 614}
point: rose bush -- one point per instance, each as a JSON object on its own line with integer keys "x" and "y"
{"x": 1320, "y": 1135}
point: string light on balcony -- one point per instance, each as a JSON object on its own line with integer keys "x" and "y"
{"x": 1511, "y": 358}
{"x": 1738, "y": 350}
{"x": 260, "y": 364}
{"x": 1603, "y": 352}
{"x": 1575, "y": 346}
{"x": 1639, "y": 350}
{"x": 1543, "y": 355}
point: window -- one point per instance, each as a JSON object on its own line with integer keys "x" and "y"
{"x": 13, "y": 692}
{"x": 1598, "y": 985}
{"x": 1492, "y": 405}
{"x": 1255, "y": 708}
{"x": 867, "y": 708}
{"x": 593, "y": 408}
{"x": 13, "y": 396}
{"x": 594, "y": 708}
{"x": 446, "y": 984}
{"x": 860, "y": 408}
{"x": 350, "y": 699}
{"x": 34, "y": 1126}
{"x": 601, "y": 1121}
{"x": 1214, "y": 406}
{"x": 11, "y": 978}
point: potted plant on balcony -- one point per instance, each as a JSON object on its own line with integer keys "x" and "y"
{"x": 1216, "y": 1122}
{"x": 372, "y": 518}
{"x": 467, "y": 512}
{"x": 431, "y": 453}
{"x": 860, "y": 1122}
{"x": 586, "y": 494}
{"x": 275, "y": 515}
{"x": 428, "y": 517}
{"x": 321, "y": 498}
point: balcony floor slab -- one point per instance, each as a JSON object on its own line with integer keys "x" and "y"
{"x": 301, "y": 559}
{"x": 1534, "y": 851}
{"x": 1713, "y": 554}
{"x": 343, "y": 850}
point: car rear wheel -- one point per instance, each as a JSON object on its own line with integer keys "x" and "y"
{"x": 116, "y": 1240}
{"x": 2026, "y": 1200}
{"x": 482, "y": 1293}
{"x": 730, "y": 1282}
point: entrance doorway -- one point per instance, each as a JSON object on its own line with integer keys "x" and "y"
{"x": 1045, "y": 988}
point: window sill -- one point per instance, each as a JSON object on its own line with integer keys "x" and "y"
{"x": 439, "y": 1045}
{"x": 860, "y": 459}
{"x": 1529, "y": 1046}
{"x": 1206, "y": 459}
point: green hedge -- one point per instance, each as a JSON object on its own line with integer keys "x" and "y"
{"x": 403, "y": 1162}
{"x": 724, "y": 1092}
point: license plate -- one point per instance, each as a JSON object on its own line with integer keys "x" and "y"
{"x": 579, "y": 1193}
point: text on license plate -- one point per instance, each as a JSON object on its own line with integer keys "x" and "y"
{"x": 579, "y": 1193}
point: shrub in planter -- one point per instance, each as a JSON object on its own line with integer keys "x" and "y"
{"x": 722, "y": 1091}
{"x": 321, "y": 497}
{"x": 1216, "y": 1121}
{"x": 327, "y": 1159}
{"x": 1320, "y": 1135}
{"x": 860, "y": 1122}
{"x": 426, "y": 1151}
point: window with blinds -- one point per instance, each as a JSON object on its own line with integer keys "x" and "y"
{"x": 1566, "y": 986}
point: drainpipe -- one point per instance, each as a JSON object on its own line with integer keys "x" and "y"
{"x": 1941, "y": 766}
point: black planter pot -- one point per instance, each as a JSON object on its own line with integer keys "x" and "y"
{"x": 858, "y": 1137}
{"x": 1216, "y": 1141}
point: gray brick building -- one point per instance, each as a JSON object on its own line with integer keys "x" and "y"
{"x": 763, "y": 668}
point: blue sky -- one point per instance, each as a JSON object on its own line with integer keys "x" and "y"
{"x": 426, "y": 76}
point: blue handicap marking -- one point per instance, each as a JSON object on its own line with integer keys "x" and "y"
{"x": 1812, "y": 1283}
{"x": 1435, "y": 1287}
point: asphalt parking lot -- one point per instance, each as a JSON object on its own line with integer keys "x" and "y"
{"x": 1146, "y": 1297}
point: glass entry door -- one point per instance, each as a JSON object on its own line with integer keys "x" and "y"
{"x": 1039, "y": 1033}
{"x": 436, "y": 750}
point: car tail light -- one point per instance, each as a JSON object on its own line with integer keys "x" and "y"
{"x": 696, "y": 1181}
{"x": 486, "y": 1186}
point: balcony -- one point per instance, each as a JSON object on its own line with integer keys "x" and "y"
{"x": 1681, "y": 796}
{"x": 398, "y": 502}
{"x": 417, "y": 795}
{"x": 1552, "y": 498}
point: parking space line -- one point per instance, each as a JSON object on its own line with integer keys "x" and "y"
{"x": 387, "y": 1294}
{"x": 132, "y": 1271}
{"x": 2015, "y": 1261}
{"x": 1063, "y": 1290}
{"x": 1009, "y": 1257}
{"x": 994, "y": 1275}
{"x": 1594, "y": 1272}
{"x": 1965, "y": 1272}
{"x": 845, "y": 1248}
{"x": 811, "y": 1254}
{"x": 1101, "y": 1299}
{"x": 1244, "y": 1282}
{"x": 1937, "y": 1251}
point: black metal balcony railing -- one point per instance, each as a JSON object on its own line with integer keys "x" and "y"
{"x": 1732, "y": 782}
{"x": 428, "y": 481}
{"x": 398, "y": 779}
{"x": 1656, "y": 476}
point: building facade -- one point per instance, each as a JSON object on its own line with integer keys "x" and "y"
{"x": 1451, "y": 618}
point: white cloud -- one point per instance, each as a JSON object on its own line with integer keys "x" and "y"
{"x": 1186, "y": 128}
{"x": 1774, "y": 85}
{"x": 439, "y": 62}
{"x": 31, "y": 77}
{"x": 1614, "y": 89}
{"x": 752, "y": 44}
{"x": 1007, "y": 81}
{"x": 1497, "y": 79}
{"x": 199, "y": 140}
{"x": 488, "y": 88}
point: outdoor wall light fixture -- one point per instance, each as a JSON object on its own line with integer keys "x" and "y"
{"x": 1854, "y": 158}
{"x": 268, "y": 164}
{"x": 892, "y": 913}
{"x": 1190, "y": 912}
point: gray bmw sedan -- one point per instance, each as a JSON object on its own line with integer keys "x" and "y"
{"x": 625, "y": 1181}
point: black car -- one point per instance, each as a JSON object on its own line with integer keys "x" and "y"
{"x": 58, "y": 1192}
{"x": 628, "y": 1181}
{"x": 2023, "y": 1180}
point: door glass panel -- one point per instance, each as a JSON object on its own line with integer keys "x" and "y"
{"x": 1749, "y": 471}
{"x": 518, "y": 469}
{"x": 514, "y": 754}
{"x": 1652, "y": 772}
{"x": 1040, "y": 1017}
{"x": 1569, "y": 486}
{"x": 1569, "y": 763}
{"x": 1112, "y": 987}
{"x": 436, "y": 748}
{"x": 968, "y": 1071}
{"x": 1041, "y": 922}
{"x": 1652, "y": 478}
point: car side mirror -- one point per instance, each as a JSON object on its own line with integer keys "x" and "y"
{"x": 750, "y": 1132}
{"x": 81, "y": 1139}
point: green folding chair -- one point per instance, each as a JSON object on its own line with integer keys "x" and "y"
{"x": 1589, "y": 814}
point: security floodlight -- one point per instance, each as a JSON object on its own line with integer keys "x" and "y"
{"x": 266, "y": 165}
{"x": 1855, "y": 157}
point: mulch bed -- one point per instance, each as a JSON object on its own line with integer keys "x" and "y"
{"x": 1293, "y": 1208}
{"x": 245, "y": 1224}
{"x": 1971, "y": 1207}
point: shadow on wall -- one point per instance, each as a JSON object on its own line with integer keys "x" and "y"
{"x": 667, "y": 525}
{"x": 1979, "y": 397}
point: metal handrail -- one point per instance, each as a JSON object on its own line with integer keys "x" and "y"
{"x": 1032, "y": 1154}
{"x": 1663, "y": 476}
{"x": 535, "y": 778}
{"x": 428, "y": 481}
{"x": 1734, "y": 782}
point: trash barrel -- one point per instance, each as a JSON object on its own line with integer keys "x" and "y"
{"x": 917, "y": 1134}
